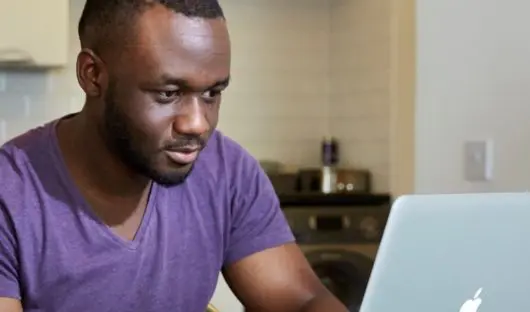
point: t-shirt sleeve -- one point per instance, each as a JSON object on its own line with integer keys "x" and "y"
{"x": 9, "y": 286}
{"x": 257, "y": 222}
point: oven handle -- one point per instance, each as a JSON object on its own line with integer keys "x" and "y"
{"x": 312, "y": 222}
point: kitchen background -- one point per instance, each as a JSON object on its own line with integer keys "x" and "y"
{"x": 401, "y": 85}
{"x": 302, "y": 69}
{"x": 402, "y": 105}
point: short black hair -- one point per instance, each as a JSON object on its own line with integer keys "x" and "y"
{"x": 104, "y": 21}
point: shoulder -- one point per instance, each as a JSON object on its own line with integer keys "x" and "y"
{"x": 245, "y": 181}
{"x": 255, "y": 219}
{"x": 227, "y": 150}
{"x": 230, "y": 171}
{"x": 19, "y": 157}
{"x": 239, "y": 166}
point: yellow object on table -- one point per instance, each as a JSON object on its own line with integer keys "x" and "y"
{"x": 211, "y": 308}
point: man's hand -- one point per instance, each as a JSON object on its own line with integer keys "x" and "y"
{"x": 280, "y": 280}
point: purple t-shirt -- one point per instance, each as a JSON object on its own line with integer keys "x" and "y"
{"x": 56, "y": 256}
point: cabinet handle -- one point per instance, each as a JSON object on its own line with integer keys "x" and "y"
{"x": 15, "y": 56}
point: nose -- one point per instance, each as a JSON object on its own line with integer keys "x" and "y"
{"x": 190, "y": 118}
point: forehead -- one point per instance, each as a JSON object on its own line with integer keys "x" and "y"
{"x": 172, "y": 45}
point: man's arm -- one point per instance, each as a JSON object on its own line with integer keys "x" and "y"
{"x": 10, "y": 305}
{"x": 280, "y": 279}
{"x": 263, "y": 265}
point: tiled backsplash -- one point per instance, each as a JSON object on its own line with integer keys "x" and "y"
{"x": 277, "y": 103}
{"x": 360, "y": 84}
{"x": 302, "y": 69}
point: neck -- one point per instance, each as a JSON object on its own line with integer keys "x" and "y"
{"x": 93, "y": 165}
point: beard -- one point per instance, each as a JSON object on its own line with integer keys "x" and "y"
{"x": 122, "y": 139}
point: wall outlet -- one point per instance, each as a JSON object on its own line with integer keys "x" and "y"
{"x": 478, "y": 161}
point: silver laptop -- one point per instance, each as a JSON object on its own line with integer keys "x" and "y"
{"x": 453, "y": 253}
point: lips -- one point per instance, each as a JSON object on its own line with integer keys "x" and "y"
{"x": 183, "y": 156}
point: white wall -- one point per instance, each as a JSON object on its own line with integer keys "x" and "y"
{"x": 473, "y": 82}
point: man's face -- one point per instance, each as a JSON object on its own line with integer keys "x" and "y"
{"x": 162, "y": 100}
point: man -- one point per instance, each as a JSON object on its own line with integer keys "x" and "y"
{"x": 136, "y": 203}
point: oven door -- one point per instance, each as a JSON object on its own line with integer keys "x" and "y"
{"x": 345, "y": 273}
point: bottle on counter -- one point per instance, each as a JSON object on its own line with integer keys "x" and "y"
{"x": 329, "y": 151}
{"x": 330, "y": 159}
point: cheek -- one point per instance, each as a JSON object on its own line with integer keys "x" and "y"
{"x": 212, "y": 119}
{"x": 147, "y": 123}
{"x": 212, "y": 114}
{"x": 155, "y": 121}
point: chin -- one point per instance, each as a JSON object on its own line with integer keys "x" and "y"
{"x": 171, "y": 177}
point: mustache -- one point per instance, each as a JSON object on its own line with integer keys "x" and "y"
{"x": 194, "y": 142}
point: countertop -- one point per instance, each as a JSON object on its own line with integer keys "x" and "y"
{"x": 338, "y": 199}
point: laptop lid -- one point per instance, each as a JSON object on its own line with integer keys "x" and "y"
{"x": 461, "y": 252}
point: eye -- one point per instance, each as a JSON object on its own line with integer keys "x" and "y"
{"x": 211, "y": 94}
{"x": 167, "y": 96}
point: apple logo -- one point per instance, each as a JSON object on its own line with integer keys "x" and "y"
{"x": 472, "y": 305}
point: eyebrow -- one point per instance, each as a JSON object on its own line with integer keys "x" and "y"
{"x": 223, "y": 83}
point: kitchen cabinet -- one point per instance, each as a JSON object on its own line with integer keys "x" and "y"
{"x": 34, "y": 33}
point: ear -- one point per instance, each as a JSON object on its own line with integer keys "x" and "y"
{"x": 91, "y": 73}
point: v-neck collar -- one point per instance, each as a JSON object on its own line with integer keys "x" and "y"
{"x": 79, "y": 199}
